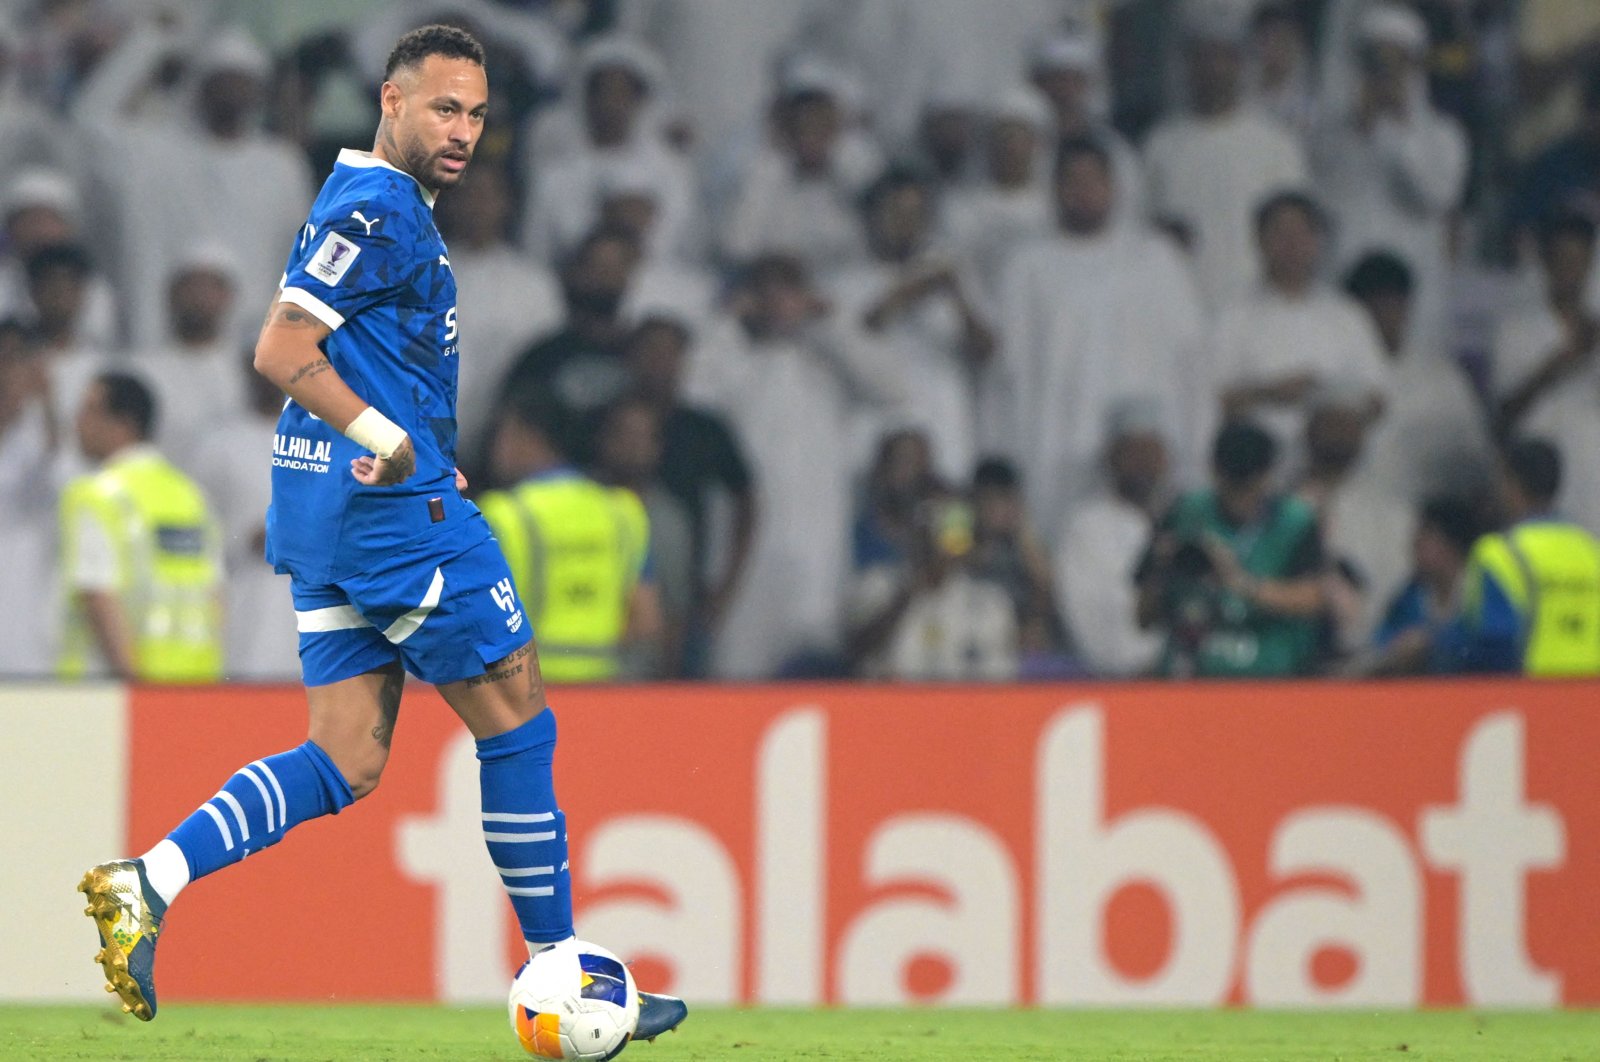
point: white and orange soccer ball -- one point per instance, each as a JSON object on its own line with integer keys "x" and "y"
{"x": 596, "y": 1024}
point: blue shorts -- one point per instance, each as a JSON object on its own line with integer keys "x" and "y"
{"x": 442, "y": 611}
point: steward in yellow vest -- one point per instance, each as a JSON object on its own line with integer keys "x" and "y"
{"x": 1531, "y": 596}
{"x": 576, "y": 548}
{"x": 140, "y": 552}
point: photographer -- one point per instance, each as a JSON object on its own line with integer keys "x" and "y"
{"x": 931, "y": 617}
{"x": 1233, "y": 572}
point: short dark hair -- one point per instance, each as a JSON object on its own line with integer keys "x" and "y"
{"x": 1567, "y": 224}
{"x": 1454, "y": 518}
{"x": 69, "y": 256}
{"x": 1073, "y": 146}
{"x": 1289, "y": 199}
{"x": 805, "y": 96}
{"x": 538, "y": 409}
{"x": 773, "y": 267}
{"x": 658, "y": 320}
{"x": 1272, "y": 11}
{"x": 1379, "y": 273}
{"x": 129, "y": 400}
{"x": 601, "y": 233}
{"x": 997, "y": 473}
{"x": 896, "y": 177}
{"x": 1242, "y": 451}
{"x": 448, "y": 41}
{"x": 1535, "y": 466}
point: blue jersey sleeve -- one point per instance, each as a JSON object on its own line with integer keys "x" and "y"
{"x": 345, "y": 265}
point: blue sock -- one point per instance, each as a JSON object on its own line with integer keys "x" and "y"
{"x": 525, "y": 831}
{"x": 258, "y": 805}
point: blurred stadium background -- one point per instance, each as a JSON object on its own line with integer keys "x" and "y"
{"x": 909, "y": 321}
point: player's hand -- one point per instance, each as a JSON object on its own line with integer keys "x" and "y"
{"x": 461, "y": 481}
{"x": 381, "y": 472}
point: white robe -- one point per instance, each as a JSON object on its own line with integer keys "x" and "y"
{"x": 1365, "y": 524}
{"x": 235, "y": 472}
{"x": 789, "y": 403}
{"x": 28, "y": 532}
{"x": 1567, "y": 415}
{"x": 505, "y": 301}
{"x": 1211, "y": 174}
{"x": 566, "y": 191}
{"x": 913, "y": 52}
{"x": 1267, "y": 336}
{"x": 985, "y": 224}
{"x": 672, "y": 288}
{"x": 775, "y": 210}
{"x": 1087, "y": 322}
{"x": 1094, "y": 567}
{"x": 71, "y": 372}
{"x": 963, "y": 630}
{"x": 194, "y": 388}
{"x": 926, "y": 343}
{"x": 1433, "y": 436}
{"x": 1395, "y": 189}
{"x": 173, "y": 188}
{"x": 720, "y": 54}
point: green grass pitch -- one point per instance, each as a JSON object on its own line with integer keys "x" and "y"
{"x": 221, "y": 1033}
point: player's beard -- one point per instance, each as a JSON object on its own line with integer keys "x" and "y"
{"x": 424, "y": 164}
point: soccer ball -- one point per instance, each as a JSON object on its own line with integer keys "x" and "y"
{"x": 595, "y": 1024}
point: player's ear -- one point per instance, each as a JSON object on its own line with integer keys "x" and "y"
{"x": 389, "y": 97}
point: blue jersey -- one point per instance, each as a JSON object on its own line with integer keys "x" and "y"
{"x": 370, "y": 265}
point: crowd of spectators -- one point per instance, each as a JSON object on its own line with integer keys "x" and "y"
{"x": 940, "y": 339}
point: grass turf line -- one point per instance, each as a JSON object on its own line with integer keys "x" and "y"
{"x": 400, "y": 1033}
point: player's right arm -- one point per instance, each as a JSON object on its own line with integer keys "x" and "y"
{"x": 289, "y": 353}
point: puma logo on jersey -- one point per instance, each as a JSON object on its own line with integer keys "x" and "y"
{"x": 359, "y": 216}
{"x": 444, "y": 261}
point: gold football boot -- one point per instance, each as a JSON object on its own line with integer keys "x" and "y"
{"x": 127, "y": 913}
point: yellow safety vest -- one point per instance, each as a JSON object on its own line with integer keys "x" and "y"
{"x": 1551, "y": 573}
{"x": 576, "y": 549}
{"x": 168, "y": 567}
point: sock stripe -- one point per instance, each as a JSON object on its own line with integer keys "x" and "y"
{"x": 524, "y": 828}
{"x": 232, "y": 825}
{"x": 238, "y": 812}
{"x": 283, "y": 805}
{"x": 519, "y": 838}
{"x": 266, "y": 798}
{"x": 222, "y": 825}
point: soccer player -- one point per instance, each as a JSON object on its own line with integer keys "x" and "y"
{"x": 391, "y": 569}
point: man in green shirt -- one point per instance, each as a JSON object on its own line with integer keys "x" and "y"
{"x": 1234, "y": 572}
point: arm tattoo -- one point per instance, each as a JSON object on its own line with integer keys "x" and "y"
{"x": 308, "y": 370}
{"x": 403, "y": 461}
{"x": 292, "y": 316}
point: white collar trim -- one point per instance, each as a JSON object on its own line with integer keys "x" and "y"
{"x": 366, "y": 160}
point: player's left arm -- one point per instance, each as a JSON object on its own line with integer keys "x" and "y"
{"x": 289, "y": 353}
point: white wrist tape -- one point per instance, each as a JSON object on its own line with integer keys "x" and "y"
{"x": 376, "y": 432}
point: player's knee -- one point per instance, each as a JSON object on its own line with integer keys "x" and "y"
{"x": 364, "y": 775}
{"x": 362, "y": 768}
